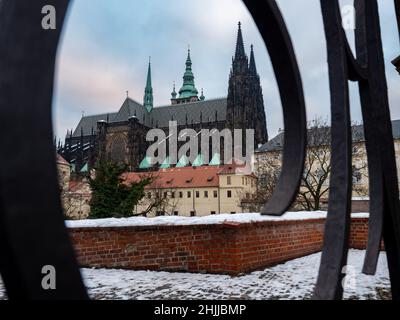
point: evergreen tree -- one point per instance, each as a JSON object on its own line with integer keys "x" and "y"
{"x": 111, "y": 196}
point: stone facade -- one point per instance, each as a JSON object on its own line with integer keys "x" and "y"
{"x": 76, "y": 200}
{"x": 75, "y": 191}
{"x": 197, "y": 191}
{"x": 272, "y": 151}
{"x": 245, "y": 108}
{"x": 64, "y": 172}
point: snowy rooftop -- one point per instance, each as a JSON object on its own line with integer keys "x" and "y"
{"x": 212, "y": 219}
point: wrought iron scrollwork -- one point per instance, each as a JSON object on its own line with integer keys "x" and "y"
{"x": 271, "y": 25}
{"x": 32, "y": 231}
{"x": 368, "y": 70}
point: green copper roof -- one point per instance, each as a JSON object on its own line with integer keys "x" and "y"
{"x": 148, "y": 92}
{"x": 202, "y": 97}
{"x": 188, "y": 89}
{"x": 165, "y": 164}
{"x": 173, "y": 93}
{"x": 85, "y": 168}
{"x": 183, "y": 162}
{"x": 199, "y": 161}
{"x": 215, "y": 161}
{"x": 146, "y": 163}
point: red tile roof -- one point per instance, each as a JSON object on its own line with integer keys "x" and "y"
{"x": 61, "y": 160}
{"x": 187, "y": 177}
{"x": 78, "y": 186}
{"x": 236, "y": 168}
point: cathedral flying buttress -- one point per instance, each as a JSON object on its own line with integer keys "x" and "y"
{"x": 121, "y": 136}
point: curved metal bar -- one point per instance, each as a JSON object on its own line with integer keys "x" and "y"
{"x": 384, "y": 205}
{"x": 334, "y": 254}
{"x": 32, "y": 230}
{"x": 377, "y": 111}
{"x": 372, "y": 141}
{"x": 357, "y": 71}
{"x": 272, "y": 27}
{"x": 397, "y": 8}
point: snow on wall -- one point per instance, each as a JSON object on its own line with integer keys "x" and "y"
{"x": 212, "y": 219}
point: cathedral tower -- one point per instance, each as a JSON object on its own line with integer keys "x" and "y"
{"x": 188, "y": 92}
{"x": 257, "y": 101}
{"x": 245, "y": 104}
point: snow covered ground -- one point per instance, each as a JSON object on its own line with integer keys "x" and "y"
{"x": 211, "y": 219}
{"x": 292, "y": 280}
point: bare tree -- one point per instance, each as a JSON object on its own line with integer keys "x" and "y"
{"x": 75, "y": 203}
{"x": 268, "y": 170}
{"x": 314, "y": 187}
{"x": 158, "y": 198}
{"x": 271, "y": 169}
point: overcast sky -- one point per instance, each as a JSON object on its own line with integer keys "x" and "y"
{"x": 106, "y": 46}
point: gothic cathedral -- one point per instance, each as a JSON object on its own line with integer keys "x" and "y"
{"x": 120, "y": 136}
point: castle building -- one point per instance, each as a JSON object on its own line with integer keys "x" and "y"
{"x": 121, "y": 136}
{"x": 195, "y": 191}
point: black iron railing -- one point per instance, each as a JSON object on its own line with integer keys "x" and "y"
{"x": 368, "y": 70}
{"x": 32, "y": 231}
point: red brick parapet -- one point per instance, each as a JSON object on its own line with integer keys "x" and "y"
{"x": 228, "y": 248}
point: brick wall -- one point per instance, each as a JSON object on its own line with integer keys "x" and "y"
{"x": 230, "y": 248}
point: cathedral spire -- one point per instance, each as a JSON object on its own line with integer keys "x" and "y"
{"x": 188, "y": 89}
{"x": 202, "y": 97}
{"x": 240, "y": 63}
{"x": 240, "y": 53}
{"x": 252, "y": 66}
{"x": 173, "y": 93}
{"x": 148, "y": 91}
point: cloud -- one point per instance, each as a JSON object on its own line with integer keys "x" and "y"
{"x": 106, "y": 48}
{"x": 90, "y": 86}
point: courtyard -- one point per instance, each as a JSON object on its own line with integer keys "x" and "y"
{"x": 293, "y": 280}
